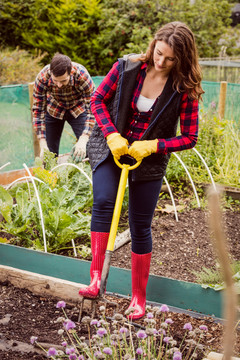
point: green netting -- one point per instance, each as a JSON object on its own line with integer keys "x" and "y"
{"x": 16, "y": 140}
{"x": 232, "y": 104}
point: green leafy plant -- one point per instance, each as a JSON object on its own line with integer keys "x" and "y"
{"x": 65, "y": 198}
{"x": 212, "y": 278}
{"x": 84, "y": 251}
{"x": 218, "y": 143}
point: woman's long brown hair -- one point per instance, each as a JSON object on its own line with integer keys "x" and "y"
{"x": 186, "y": 73}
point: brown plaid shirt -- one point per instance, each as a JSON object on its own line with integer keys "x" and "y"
{"x": 74, "y": 97}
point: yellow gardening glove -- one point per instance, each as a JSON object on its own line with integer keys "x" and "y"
{"x": 117, "y": 144}
{"x": 140, "y": 149}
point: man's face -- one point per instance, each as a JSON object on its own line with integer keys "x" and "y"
{"x": 62, "y": 80}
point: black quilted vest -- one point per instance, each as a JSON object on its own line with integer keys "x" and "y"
{"x": 163, "y": 123}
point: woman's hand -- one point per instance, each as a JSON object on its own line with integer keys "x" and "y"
{"x": 117, "y": 144}
{"x": 140, "y": 149}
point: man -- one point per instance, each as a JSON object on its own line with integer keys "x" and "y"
{"x": 62, "y": 92}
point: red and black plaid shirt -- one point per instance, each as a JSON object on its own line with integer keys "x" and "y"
{"x": 139, "y": 121}
{"x": 74, "y": 97}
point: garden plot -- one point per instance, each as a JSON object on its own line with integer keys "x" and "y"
{"x": 25, "y": 315}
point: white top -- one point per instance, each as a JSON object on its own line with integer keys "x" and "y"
{"x": 144, "y": 104}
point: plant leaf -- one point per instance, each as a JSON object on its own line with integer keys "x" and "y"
{"x": 6, "y": 204}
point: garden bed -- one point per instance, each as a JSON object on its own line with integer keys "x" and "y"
{"x": 179, "y": 248}
{"x": 26, "y": 314}
{"x": 182, "y": 248}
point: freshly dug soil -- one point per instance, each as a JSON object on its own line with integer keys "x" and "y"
{"x": 179, "y": 249}
{"x": 184, "y": 247}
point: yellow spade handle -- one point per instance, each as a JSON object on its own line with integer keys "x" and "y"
{"x": 119, "y": 200}
{"x": 130, "y": 167}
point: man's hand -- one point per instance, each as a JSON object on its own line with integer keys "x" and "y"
{"x": 117, "y": 144}
{"x": 43, "y": 147}
{"x": 79, "y": 150}
{"x": 140, "y": 149}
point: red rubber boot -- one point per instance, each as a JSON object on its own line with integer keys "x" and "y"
{"x": 99, "y": 242}
{"x": 140, "y": 274}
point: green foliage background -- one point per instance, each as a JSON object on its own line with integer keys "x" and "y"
{"x": 96, "y": 32}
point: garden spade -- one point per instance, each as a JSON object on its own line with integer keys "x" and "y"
{"x": 115, "y": 220}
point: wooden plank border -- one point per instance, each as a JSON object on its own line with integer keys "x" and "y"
{"x": 43, "y": 285}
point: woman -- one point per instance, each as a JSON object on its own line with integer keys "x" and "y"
{"x": 137, "y": 107}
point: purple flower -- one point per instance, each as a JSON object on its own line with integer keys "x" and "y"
{"x": 162, "y": 332}
{"x": 107, "y": 350}
{"x": 203, "y": 327}
{"x": 177, "y": 355}
{"x": 123, "y": 330}
{"x": 164, "y": 308}
{"x": 141, "y": 334}
{"x": 70, "y": 350}
{"x": 101, "y": 332}
{"x": 94, "y": 322}
{"x": 150, "y": 315}
{"x": 188, "y": 326}
{"x": 68, "y": 324}
{"x": 73, "y": 357}
{"x": 33, "y": 339}
{"x": 97, "y": 354}
{"x": 52, "y": 352}
{"x": 213, "y": 105}
{"x": 64, "y": 343}
{"x": 139, "y": 351}
{"x": 169, "y": 321}
{"x": 81, "y": 357}
{"x": 166, "y": 339}
{"x": 61, "y": 304}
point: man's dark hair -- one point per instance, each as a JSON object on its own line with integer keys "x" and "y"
{"x": 60, "y": 64}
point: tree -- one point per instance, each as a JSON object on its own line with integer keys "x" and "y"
{"x": 127, "y": 26}
{"x": 97, "y": 32}
{"x": 65, "y": 26}
{"x": 15, "y": 16}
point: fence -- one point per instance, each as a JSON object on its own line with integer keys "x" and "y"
{"x": 221, "y": 69}
{"x": 16, "y": 136}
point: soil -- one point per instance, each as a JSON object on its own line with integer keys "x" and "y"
{"x": 183, "y": 247}
{"x": 179, "y": 248}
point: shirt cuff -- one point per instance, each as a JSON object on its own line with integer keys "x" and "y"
{"x": 162, "y": 146}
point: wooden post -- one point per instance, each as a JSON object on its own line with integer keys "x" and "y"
{"x": 36, "y": 146}
{"x": 222, "y": 99}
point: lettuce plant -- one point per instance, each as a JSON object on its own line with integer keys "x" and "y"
{"x": 65, "y": 197}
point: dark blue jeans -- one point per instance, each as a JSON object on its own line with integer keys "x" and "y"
{"x": 54, "y": 129}
{"x": 143, "y": 197}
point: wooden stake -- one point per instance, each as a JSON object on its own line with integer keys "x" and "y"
{"x": 222, "y": 99}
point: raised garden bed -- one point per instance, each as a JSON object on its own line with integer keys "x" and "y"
{"x": 33, "y": 313}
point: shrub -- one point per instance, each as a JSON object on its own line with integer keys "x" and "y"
{"x": 13, "y": 65}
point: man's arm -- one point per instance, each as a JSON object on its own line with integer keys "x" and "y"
{"x": 39, "y": 106}
{"x": 87, "y": 88}
{"x": 38, "y": 111}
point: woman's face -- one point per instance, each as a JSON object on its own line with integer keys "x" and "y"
{"x": 163, "y": 58}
